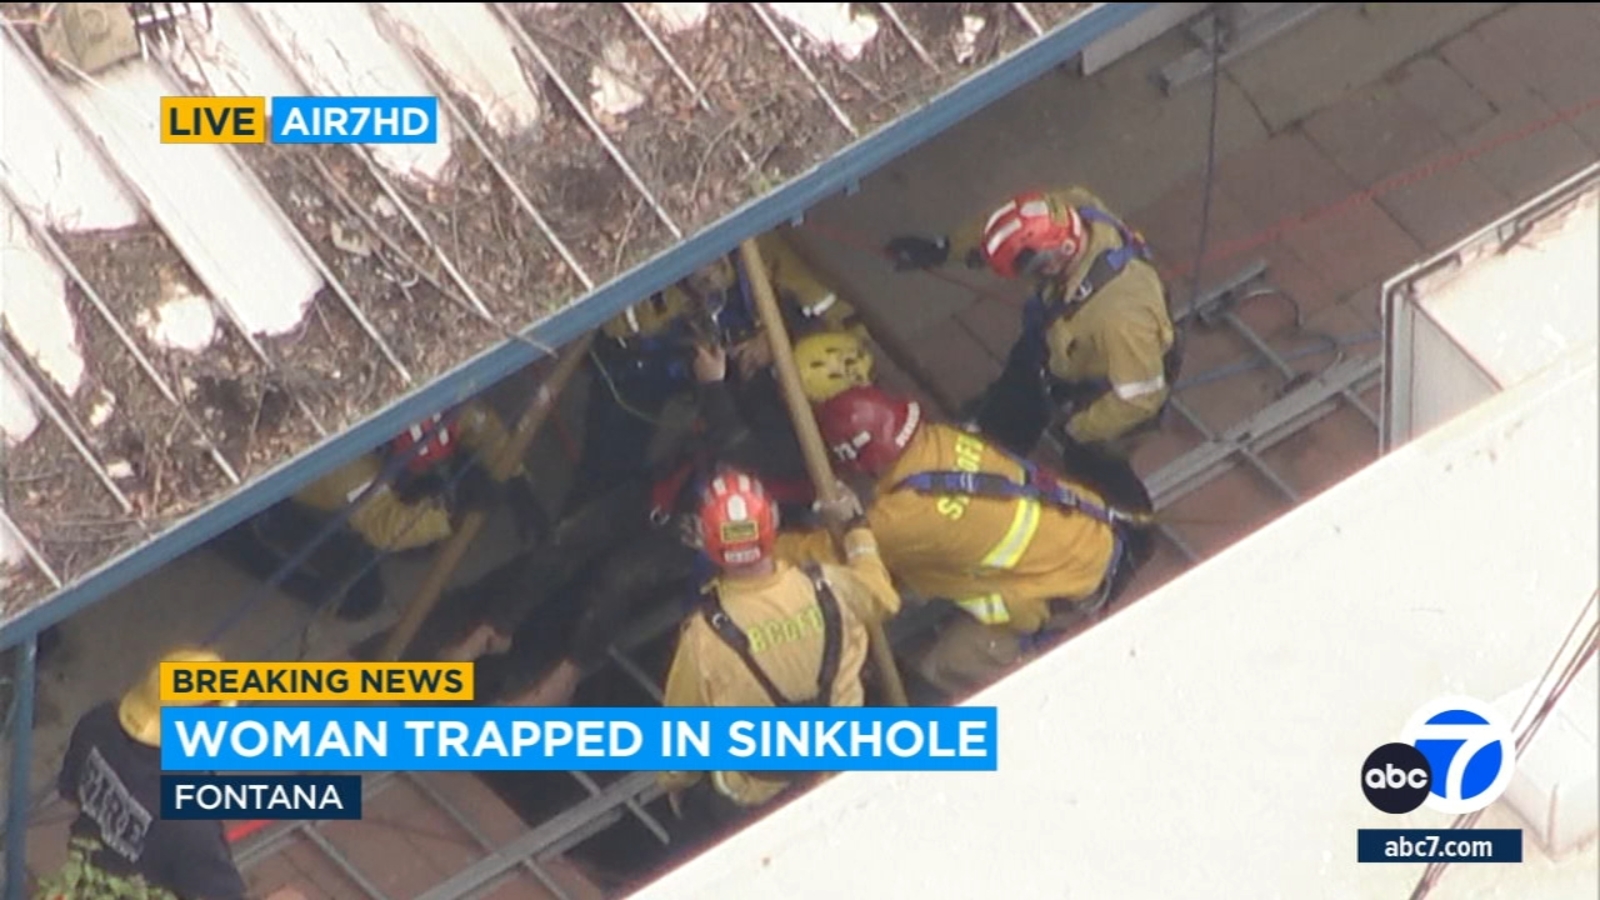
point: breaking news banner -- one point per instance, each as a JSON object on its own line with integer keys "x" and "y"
{"x": 1442, "y": 845}
{"x": 442, "y": 739}
{"x": 261, "y": 797}
{"x": 210, "y": 682}
{"x": 300, "y": 120}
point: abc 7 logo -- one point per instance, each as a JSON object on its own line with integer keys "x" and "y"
{"x": 1456, "y": 756}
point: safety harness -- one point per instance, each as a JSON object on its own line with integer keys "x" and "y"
{"x": 739, "y": 642}
{"x": 1108, "y": 265}
{"x": 1037, "y": 489}
{"x": 1037, "y": 485}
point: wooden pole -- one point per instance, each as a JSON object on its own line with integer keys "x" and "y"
{"x": 811, "y": 445}
{"x": 501, "y": 468}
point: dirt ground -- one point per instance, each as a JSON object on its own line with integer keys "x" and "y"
{"x": 444, "y": 269}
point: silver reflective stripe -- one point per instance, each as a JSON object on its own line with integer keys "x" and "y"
{"x": 1135, "y": 390}
{"x": 822, "y": 306}
{"x": 355, "y": 492}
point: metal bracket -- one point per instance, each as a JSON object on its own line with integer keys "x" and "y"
{"x": 1260, "y": 432}
{"x": 1244, "y": 27}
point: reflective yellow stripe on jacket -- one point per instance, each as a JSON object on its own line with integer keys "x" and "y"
{"x": 990, "y": 609}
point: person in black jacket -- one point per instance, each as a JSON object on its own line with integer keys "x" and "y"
{"x": 112, "y": 773}
{"x": 628, "y": 545}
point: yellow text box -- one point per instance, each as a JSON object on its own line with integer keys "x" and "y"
{"x": 214, "y": 120}
{"x": 193, "y": 683}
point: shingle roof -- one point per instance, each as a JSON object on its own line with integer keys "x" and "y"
{"x": 179, "y": 320}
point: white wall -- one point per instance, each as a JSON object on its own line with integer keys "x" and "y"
{"x": 1206, "y": 742}
{"x": 1495, "y": 317}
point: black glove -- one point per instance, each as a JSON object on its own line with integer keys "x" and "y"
{"x": 911, "y": 252}
{"x": 533, "y": 522}
{"x": 475, "y": 491}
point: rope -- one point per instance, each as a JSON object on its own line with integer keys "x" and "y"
{"x": 1208, "y": 181}
{"x": 845, "y": 237}
{"x": 1569, "y": 673}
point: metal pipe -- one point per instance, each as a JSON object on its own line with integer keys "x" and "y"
{"x": 364, "y": 156}
{"x": 59, "y": 254}
{"x": 645, "y": 819}
{"x": 821, "y": 182}
{"x": 582, "y": 111}
{"x": 42, "y": 73}
{"x": 1250, "y": 455}
{"x": 698, "y": 95}
{"x": 922, "y": 53}
{"x": 477, "y": 835}
{"x": 32, "y": 552}
{"x": 18, "y": 807}
{"x": 302, "y": 241}
{"x": 1027, "y": 18}
{"x": 345, "y": 865}
{"x": 38, "y": 396}
{"x": 482, "y": 146}
{"x": 540, "y": 839}
{"x": 799, "y": 63}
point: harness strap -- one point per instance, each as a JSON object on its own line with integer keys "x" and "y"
{"x": 832, "y": 641}
{"x": 1038, "y": 485}
{"x": 1108, "y": 265}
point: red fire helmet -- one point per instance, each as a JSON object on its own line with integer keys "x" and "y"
{"x": 867, "y": 429}
{"x": 738, "y": 520}
{"x": 437, "y": 446}
{"x": 1028, "y": 228}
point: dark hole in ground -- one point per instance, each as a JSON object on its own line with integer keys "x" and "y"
{"x": 627, "y": 851}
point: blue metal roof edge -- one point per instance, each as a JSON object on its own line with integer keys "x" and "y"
{"x": 762, "y": 214}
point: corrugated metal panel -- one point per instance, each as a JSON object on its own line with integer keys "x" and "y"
{"x": 587, "y": 302}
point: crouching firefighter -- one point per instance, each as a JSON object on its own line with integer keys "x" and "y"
{"x": 409, "y": 496}
{"x": 624, "y": 551}
{"x": 644, "y": 358}
{"x": 1023, "y": 553}
{"x": 1097, "y": 336}
{"x": 769, "y": 634}
{"x": 120, "y": 846}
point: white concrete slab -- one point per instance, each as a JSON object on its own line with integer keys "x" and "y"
{"x": 1205, "y": 742}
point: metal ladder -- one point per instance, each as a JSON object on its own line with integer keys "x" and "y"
{"x": 1305, "y": 400}
{"x": 1310, "y": 399}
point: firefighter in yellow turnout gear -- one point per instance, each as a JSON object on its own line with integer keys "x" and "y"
{"x": 1098, "y": 324}
{"x": 643, "y": 363}
{"x": 397, "y": 520}
{"x": 770, "y": 633}
{"x": 414, "y": 510}
{"x": 119, "y": 845}
{"x": 1022, "y": 553}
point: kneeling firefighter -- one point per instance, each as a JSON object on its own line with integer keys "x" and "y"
{"x": 410, "y": 493}
{"x": 1022, "y": 552}
{"x": 568, "y": 598}
{"x": 120, "y": 846}
{"x": 1097, "y": 336}
{"x": 767, "y": 633}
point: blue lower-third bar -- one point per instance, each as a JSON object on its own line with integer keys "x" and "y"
{"x": 261, "y": 797}
{"x": 1445, "y": 845}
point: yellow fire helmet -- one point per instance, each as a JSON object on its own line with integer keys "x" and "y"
{"x": 140, "y": 710}
{"x": 831, "y": 362}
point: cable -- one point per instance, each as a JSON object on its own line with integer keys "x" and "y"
{"x": 1569, "y": 673}
{"x": 1207, "y": 183}
{"x": 616, "y": 393}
